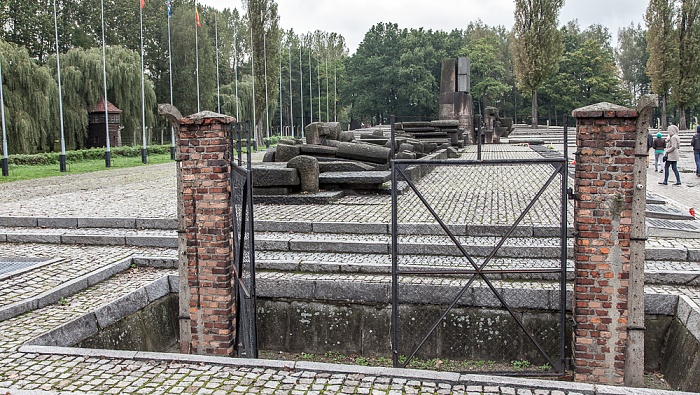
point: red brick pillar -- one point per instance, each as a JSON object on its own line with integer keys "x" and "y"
{"x": 207, "y": 300}
{"x": 606, "y": 136}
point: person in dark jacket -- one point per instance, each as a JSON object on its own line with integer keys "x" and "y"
{"x": 650, "y": 142}
{"x": 659, "y": 145}
{"x": 695, "y": 142}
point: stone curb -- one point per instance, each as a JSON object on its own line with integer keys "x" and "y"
{"x": 66, "y": 289}
{"x": 89, "y": 324}
{"x": 408, "y": 374}
{"x": 477, "y": 296}
{"x": 688, "y": 313}
{"x": 79, "y": 222}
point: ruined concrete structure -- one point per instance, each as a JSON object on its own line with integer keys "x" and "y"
{"x": 455, "y": 97}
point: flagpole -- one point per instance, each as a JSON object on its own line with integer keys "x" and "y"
{"x": 267, "y": 105}
{"x": 328, "y": 119}
{"x": 5, "y": 156}
{"x": 62, "y": 157}
{"x": 301, "y": 92}
{"x": 280, "y": 59}
{"x": 335, "y": 91}
{"x": 216, "y": 43}
{"x": 252, "y": 69}
{"x": 170, "y": 67}
{"x": 108, "y": 150}
{"x": 318, "y": 80}
{"x": 235, "y": 68}
{"x": 311, "y": 95}
{"x": 291, "y": 99}
{"x": 144, "y": 158}
{"x": 196, "y": 48}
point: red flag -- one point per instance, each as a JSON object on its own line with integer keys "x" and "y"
{"x": 143, "y": 3}
{"x": 196, "y": 15}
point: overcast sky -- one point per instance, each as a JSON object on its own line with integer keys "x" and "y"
{"x": 353, "y": 18}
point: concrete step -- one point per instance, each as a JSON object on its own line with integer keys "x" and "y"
{"x": 656, "y": 272}
{"x": 519, "y": 246}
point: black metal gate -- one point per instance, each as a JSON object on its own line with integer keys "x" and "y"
{"x": 244, "y": 251}
{"x": 423, "y": 215}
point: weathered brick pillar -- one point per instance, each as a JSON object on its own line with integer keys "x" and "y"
{"x": 603, "y": 217}
{"x": 207, "y": 300}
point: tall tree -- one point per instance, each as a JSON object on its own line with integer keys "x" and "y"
{"x": 31, "y": 101}
{"x": 632, "y": 57}
{"x": 663, "y": 50}
{"x": 685, "y": 84}
{"x": 265, "y": 32}
{"x": 537, "y": 45}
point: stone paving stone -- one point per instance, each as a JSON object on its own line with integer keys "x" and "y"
{"x": 77, "y": 261}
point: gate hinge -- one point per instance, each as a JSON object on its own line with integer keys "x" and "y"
{"x": 571, "y": 195}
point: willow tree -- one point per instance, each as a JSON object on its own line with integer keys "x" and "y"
{"x": 263, "y": 21}
{"x": 685, "y": 84}
{"x": 31, "y": 101}
{"x": 663, "y": 49}
{"x": 82, "y": 83}
{"x": 537, "y": 46}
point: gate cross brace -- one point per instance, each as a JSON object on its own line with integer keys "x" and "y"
{"x": 479, "y": 268}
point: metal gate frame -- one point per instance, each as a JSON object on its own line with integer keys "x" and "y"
{"x": 398, "y": 168}
{"x": 243, "y": 247}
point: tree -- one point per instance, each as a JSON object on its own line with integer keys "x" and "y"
{"x": 488, "y": 69}
{"x": 82, "y": 84}
{"x": 31, "y": 96}
{"x": 663, "y": 50}
{"x": 632, "y": 57}
{"x": 265, "y": 34}
{"x": 536, "y": 45}
{"x": 685, "y": 84}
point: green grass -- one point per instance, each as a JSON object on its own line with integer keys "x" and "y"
{"x": 26, "y": 172}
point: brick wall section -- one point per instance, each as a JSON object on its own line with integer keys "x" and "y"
{"x": 207, "y": 305}
{"x": 606, "y": 136}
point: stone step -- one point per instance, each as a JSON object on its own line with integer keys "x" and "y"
{"x": 657, "y": 249}
{"x": 656, "y": 272}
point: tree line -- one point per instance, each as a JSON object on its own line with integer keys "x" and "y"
{"x": 251, "y": 68}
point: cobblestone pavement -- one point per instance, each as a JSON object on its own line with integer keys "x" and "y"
{"x": 150, "y": 193}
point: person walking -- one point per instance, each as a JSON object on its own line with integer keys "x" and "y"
{"x": 650, "y": 142}
{"x": 672, "y": 154}
{"x": 695, "y": 143}
{"x": 659, "y": 145}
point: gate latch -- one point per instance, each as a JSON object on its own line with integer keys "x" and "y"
{"x": 571, "y": 195}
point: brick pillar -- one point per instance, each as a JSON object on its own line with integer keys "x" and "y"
{"x": 605, "y": 182}
{"x": 207, "y": 300}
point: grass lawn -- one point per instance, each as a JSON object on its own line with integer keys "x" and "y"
{"x": 40, "y": 171}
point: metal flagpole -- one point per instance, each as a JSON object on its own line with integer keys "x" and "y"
{"x": 311, "y": 95}
{"x": 328, "y": 119}
{"x": 5, "y": 156}
{"x": 235, "y": 68}
{"x": 108, "y": 153}
{"x": 280, "y": 56}
{"x": 291, "y": 99}
{"x": 267, "y": 97}
{"x": 144, "y": 158}
{"x": 335, "y": 91}
{"x": 170, "y": 65}
{"x": 62, "y": 157}
{"x": 252, "y": 68}
{"x": 318, "y": 80}
{"x": 301, "y": 92}
{"x": 196, "y": 48}
{"x": 216, "y": 43}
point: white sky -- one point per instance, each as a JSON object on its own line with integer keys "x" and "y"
{"x": 353, "y": 18}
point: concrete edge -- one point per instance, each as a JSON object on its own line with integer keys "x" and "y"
{"x": 73, "y": 286}
{"x": 692, "y": 322}
{"x": 409, "y": 374}
{"x": 155, "y": 262}
{"x": 83, "y": 352}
